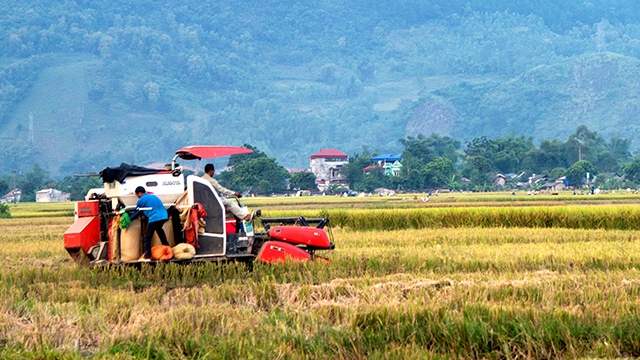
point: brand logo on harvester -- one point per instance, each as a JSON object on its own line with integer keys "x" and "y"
{"x": 169, "y": 183}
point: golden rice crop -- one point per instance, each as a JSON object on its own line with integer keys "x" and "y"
{"x": 426, "y": 290}
{"x": 621, "y": 217}
{"x": 454, "y": 199}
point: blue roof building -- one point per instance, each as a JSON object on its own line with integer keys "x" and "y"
{"x": 389, "y": 162}
{"x": 385, "y": 158}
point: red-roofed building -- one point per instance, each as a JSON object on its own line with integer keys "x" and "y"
{"x": 329, "y": 154}
{"x": 371, "y": 168}
{"x": 326, "y": 165}
{"x": 12, "y": 196}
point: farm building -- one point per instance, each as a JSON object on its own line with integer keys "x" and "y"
{"x": 557, "y": 185}
{"x": 326, "y": 165}
{"x": 499, "y": 180}
{"x": 52, "y": 195}
{"x": 12, "y": 196}
{"x": 389, "y": 162}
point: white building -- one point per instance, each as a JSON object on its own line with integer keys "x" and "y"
{"x": 326, "y": 165}
{"x": 52, "y": 195}
{"x": 12, "y": 197}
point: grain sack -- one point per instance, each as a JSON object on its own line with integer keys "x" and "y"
{"x": 131, "y": 241}
{"x": 114, "y": 239}
{"x": 168, "y": 231}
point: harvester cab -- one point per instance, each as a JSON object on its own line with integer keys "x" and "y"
{"x": 197, "y": 217}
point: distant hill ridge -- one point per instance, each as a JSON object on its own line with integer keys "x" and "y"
{"x": 598, "y": 90}
{"x": 107, "y": 82}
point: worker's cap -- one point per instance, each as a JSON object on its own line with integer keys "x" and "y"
{"x": 140, "y": 189}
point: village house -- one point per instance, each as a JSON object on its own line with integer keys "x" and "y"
{"x": 534, "y": 179}
{"x": 499, "y": 180}
{"x": 11, "y": 197}
{"x": 326, "y": 165}
{"x": 558, "y": 185}
{"x": 52, "y": 195}
{"x": 389, "y": 163}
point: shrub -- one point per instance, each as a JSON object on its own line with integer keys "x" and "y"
{"x": 4, "y": 211}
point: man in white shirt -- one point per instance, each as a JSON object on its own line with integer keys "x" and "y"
{"x": 231, "y": 205}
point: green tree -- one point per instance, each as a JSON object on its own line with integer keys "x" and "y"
{"x": 303, "y": 180}
{"x": 32, "y": 182}
{"x": 439, "y": 172}
{"x": 426, "y": 149}
{"x": 235, "y": 160}
{"x": 557, "y": 173}
{"x": 619, "y": 148}
{"x": 478, "y": 160}
{"x": 4, "y": 187}
{"x": 577, "y": 173}
{"x": 606, "y": 182}
{"x": 510, "y": 152}
{"x": 78, "y": 187}
{"x": 504, "y": 154}
{"x": 353, "y": 171}
{"x": 632, "y": 170}
{"x": 547, "y": 157}
{"x": 412, "y": 175}
{"x": 5, "y": 212}
{"x": 420, "y": 151}
{"x": 585, "y": 144}
{"x": 261, "y": 175}
{"x": 372, "y": 180}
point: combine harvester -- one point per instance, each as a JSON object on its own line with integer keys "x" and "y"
{"x": 95, "y": 238}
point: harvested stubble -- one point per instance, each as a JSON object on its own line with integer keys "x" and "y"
{"x": 467, "y": 292}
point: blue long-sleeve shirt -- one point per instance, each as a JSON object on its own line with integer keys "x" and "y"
{"x": 157, "y": 212}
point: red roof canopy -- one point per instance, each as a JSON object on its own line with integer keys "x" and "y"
{"x": 329, "y": 154}
{"x": 371, "y": 167}
{"x": 199, "y": 152}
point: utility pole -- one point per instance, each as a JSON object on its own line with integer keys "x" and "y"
{"x": 579, "y": 153}
{"x": 15, "y": 200}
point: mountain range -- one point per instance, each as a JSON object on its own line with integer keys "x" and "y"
{"x": 87, "y": 84}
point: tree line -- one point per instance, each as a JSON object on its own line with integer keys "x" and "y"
{"x": 428, "y": 163}
{"x": 252, "y": 173}
{"x": 432, "y": 162}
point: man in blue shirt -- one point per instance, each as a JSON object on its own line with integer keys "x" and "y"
{"x": 153, "y": 208}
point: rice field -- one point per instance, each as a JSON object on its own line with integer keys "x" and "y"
{"x": 471, "y": 281}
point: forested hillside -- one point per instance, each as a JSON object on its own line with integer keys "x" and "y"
{"x": 86, "y": 84}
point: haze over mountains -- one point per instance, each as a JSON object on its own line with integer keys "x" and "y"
{"x": 88, "y": 84}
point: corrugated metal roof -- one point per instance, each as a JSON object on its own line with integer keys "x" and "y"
{"x": 371, "y": 167}
{"x": 387, "y": 157}
{"x": 329, "y": 154}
